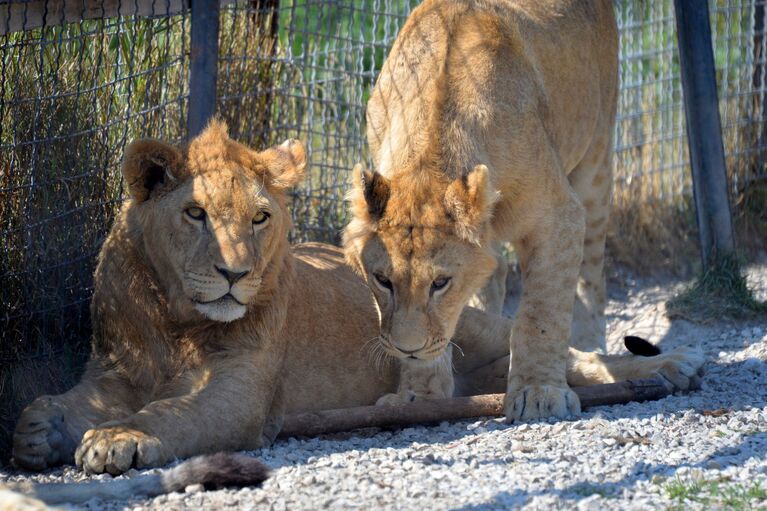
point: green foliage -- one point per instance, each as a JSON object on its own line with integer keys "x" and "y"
{"x": 717, "y": 494}
{"x": 720, "y": 291}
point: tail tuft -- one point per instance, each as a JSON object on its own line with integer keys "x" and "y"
{"x": 641, "y": 347}
{"x": 216, "y": 471}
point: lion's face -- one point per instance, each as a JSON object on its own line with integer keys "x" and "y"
{"x": 216, "y": 233}
{"x": 212, "y": 219}
{"x": 421, "y": 279}
{"x": 422, "y": 257}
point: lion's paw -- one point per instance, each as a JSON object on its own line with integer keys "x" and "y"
{"x": 117, "y": 449}
{"x": 526, "y": 402}
{"x": 682, "y": 368}
{"x": 41, "y": 439}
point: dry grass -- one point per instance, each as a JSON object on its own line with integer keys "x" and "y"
{"x": 653, "y": 225}
{"x": 657, "y": 238}
{"x": 719, "y": 291}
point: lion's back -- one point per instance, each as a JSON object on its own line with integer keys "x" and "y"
{"x": 330, "y": 328}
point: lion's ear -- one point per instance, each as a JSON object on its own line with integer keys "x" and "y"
{"x": 369, "y": 195}
{"x": 286, "y": 163}
{"x": 148, "y": 165}
{"x": 470, "y": 202}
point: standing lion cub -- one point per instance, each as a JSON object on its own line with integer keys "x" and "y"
{"x": 492, "y": 121}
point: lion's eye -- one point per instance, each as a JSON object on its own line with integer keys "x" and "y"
{"x": 195, "y": 213}
{"x": 382, "y": 281}
{"x": 261, "y": 217}
{"x": 440, "y": 283}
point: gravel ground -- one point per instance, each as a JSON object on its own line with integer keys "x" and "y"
{"x": 702, "y": 450}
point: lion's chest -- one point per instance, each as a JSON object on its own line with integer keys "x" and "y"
{"x": 169, "y": 368}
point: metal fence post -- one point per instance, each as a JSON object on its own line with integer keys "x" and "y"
{"x": 203, "y": 64}
{"x": 704, "y": 131}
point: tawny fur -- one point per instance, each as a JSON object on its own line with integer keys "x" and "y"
{"x": 492, "y": 121}
{"x": 166, "y": 381}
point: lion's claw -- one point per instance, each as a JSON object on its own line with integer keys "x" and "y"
{"x": 117, "y": 449}
{"x": 526, "y": 402}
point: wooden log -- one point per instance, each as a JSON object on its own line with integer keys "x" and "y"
{"x": 424, "y": 412}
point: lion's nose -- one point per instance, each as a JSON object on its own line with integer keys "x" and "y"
{"x": 231, "y": 276}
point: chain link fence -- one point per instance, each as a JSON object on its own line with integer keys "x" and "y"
{"x": 79, "y": 80}
{"x": 652, "y": 202}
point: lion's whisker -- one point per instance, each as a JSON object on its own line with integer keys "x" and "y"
{"x": 377, "y": 353}
{"x": 456, "y": 347}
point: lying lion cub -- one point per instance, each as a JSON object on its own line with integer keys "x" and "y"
{"x": 207, "y": 328}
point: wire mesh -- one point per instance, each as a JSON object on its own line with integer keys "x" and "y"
{"x": 309, "y": 79}
{"x": 71, "y": 96}
{"x": 73, "y": 93}
{"x": 651, "y": 158}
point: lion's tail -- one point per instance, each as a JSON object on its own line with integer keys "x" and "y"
{"x": 641, "y": 347}
{"x": 213, "y": 471}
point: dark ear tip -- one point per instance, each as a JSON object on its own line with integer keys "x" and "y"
{"x": 376, "y": 190}
{"x": 146, "y": 163}
{"x": 640, "y": 346}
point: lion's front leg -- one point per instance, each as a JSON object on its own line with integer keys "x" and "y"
{"x": 43, "y": 436}
{"x": 423, "y": 380}
{"x": 228, "y": 413}
{"x": 550, "y": 257}
{"x": 51, "y": 427}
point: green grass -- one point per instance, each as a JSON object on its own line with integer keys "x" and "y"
{"x": 716, "y": 494}
{"x": 588, "y": 489}
{"x": 720, "y": 291}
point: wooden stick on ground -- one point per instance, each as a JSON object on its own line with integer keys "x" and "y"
{"x": 407, "y": 414}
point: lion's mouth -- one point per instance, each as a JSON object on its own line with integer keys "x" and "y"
{"x": 399, "y": 353}
{"x": 225, "y": 308}
{"x": 430, "y": 351}
{"x": 227, "y": 298}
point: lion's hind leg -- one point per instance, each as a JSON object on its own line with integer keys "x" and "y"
{"x": 682, "y": 368}
{"x": 482, "y": 362}
{"x": 592, "y": 182}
